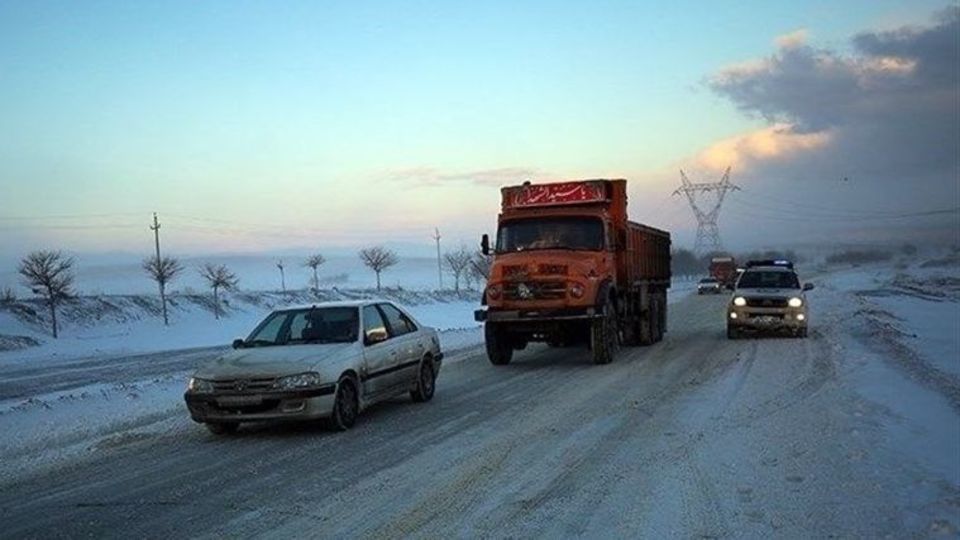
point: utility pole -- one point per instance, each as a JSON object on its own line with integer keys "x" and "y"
{"x": 436, "y": 236}
{"x": 156, "y": 241}
{"x": 283, "y": 281}
{"x": 708, "y": 232}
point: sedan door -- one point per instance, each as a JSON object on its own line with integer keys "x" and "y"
{"x": 381, "y": 356}
{"x": 406, "y": 337}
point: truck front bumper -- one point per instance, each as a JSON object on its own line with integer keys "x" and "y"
{"x": 552, "y": 314}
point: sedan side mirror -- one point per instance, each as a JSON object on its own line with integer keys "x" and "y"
{"x": 238, "y": 343}
{"x": 485, "y": 244}
{"x": 808, "y": 286}
{"x": 377, "y": 335}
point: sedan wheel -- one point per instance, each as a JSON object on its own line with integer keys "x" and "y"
{"x": 426, "y": 382}
{"x": 345, "y": 406}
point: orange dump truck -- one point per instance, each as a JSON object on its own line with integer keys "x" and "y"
{"x": 569, "y": 268}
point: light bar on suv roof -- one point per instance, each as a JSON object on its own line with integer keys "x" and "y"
{"x": 772, "y": 262}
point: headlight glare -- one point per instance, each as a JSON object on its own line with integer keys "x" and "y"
{"x": 795, "y": 302}
{"x": 300, "y": 380}
{"x": 199, "y": 385}
{"x": 739, "y": 301}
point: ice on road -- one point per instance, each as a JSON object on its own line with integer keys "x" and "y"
{"x": 696, "y": 436}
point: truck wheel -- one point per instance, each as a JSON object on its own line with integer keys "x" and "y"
{"x": 656, "y": 321}
{"x": 499, "y": 348}
{"x": 663, "y": 313}
{"x": 604, "y": 335}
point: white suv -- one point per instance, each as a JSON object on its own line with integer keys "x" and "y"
{"x": 768, "y": 297}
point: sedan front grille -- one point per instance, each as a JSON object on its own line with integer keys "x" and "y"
{"x": 244, "y": 385}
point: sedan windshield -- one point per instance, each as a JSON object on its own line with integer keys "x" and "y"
{"x": 310, "y": 325}
{"x": 768, "y": 280}
{"x": 550, "y": 233}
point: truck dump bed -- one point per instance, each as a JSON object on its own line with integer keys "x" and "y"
{"x": 648, "y": 254}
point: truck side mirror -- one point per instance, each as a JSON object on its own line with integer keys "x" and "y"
{"x": 485, "y": 244}
{"x": 238, "y": 343}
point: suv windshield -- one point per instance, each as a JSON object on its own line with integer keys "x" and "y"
{"x": 310, "y": 325}
{"x": 759, "y": 279}
{"x": 550, "y": 233}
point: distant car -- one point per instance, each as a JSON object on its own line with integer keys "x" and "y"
{"x": 768, "y": 297}
{"x": 325, "y": 361}
{"x": 709, "y": 285}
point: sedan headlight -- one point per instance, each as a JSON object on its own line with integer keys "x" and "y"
{"x": 199, "y": 385}
{"x": 739, "y": 301}
{"x": 795, "y": 302}
{"x": 300, "y": 380}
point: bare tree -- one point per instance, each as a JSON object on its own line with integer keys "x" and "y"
{"x": 314, "y": 262}
{"x": 479, "y": 266}
{"x": 7, "y": 296}
{"x": 218, "y": 276}
{"x": 457, "y": 262}
{"x": 163, "y": 270}
{"x": 283, "y": 279}
{"x": 49, "y": 274}
{"x": 378, "y": 259}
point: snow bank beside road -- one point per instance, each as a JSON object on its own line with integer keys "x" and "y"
{"x": 111, "y": 325}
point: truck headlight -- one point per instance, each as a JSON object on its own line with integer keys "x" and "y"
{"x": 795, "y": 302}
{"x": 199, "y": 385}
{"x": 576, "y": 290}
{"x": 300, "y": 380}
{"x": 493, "y": 292}
{"x": 739, "y": 301}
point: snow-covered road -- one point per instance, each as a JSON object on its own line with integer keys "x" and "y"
{"x": 697, "y": 436}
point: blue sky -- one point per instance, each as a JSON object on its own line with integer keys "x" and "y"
{"x": 311, "y": 119}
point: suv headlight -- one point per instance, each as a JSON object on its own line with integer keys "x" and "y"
{"x": 199, "y": 385}
{"x": 795, "y": 302}
{"x": 739, "y": 301}
{"x": 300, "y": 380}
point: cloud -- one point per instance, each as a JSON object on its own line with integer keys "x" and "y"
{"x": 779, "y": 141}
{"x": 793, "y": 39}
{"x": 885, "y": 115}
{"x": 430, "y": 176}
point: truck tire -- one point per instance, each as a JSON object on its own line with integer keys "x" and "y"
{"x": 656, "y": 320}
{"x": 663, "y": 313}
{"x": 499, "y": 348}
{"x": 604, "y": 335}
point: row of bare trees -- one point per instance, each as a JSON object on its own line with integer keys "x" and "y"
{"x": 50, "y": 274}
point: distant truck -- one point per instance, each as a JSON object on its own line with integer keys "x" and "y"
{"x": 724, "y": 270}
{"x": 569, "y": 268}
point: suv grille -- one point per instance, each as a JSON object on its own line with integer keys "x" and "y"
{"x": 767, "y": 302}
{"x": 244, "y": 385}
{"x": 537, "y": 290}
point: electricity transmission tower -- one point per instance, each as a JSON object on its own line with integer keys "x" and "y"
{"x": 711, "y": 193}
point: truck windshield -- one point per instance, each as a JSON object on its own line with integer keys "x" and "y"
{"x": 550, "y": 233}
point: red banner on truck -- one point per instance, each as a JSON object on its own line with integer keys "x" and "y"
{"x": 553, "y": 194}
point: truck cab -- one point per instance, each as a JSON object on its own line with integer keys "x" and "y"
{"x": 565, "y": 261}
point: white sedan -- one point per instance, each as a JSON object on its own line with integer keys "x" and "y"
{"x": 324, "y": 361}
